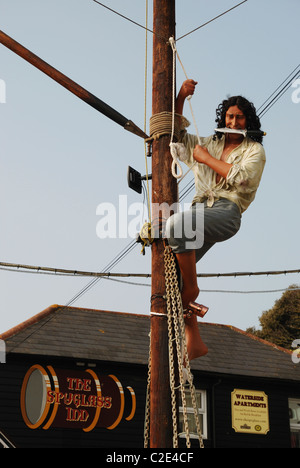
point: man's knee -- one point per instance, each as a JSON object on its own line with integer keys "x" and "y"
{"x": 173, "y": 233}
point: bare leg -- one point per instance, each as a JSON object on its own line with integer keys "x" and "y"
{"x": 190, "y": 291}
{"x": 187, "y": 265}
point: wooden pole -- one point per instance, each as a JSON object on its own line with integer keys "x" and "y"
{"x": 164, "y": 190}
{"x": 70, "y": 85}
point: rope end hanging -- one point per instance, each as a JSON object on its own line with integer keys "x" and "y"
{"x": 178, "y": 153}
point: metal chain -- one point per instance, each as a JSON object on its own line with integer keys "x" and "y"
{"x": 171, "y": 368}
{"x": 171, "y": 294}
{"x": 147, "y": 407}
{"x": 176, "y": 332}
{"x": 174, "y": 292}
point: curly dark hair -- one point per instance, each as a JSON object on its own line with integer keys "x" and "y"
{"x": 252, "y": 120}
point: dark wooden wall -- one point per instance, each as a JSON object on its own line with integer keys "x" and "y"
{"x": 130, "y": 434}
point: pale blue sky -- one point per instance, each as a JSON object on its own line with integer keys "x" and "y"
{"x": 60, "y": 159}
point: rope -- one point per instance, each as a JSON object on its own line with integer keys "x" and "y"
{"x": 170, "y": 123}
{"x": 145, "y": 111}
{"x": 162, "y": 124}
{"x": 177, "y": 151}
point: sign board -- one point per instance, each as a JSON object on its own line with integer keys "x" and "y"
{"x": 74, "y": 399}
{"x": 250, "y": 411}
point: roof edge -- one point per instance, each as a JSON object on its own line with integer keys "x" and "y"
{"x": 49, "y": 310}
{"x": 261, "y": 340}
{"x": 108, "y": 311}
{"x": 31, "y": 321}
{"x": 250, "y": 335}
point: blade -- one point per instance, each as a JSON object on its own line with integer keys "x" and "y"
{"x": 231, "y": 130}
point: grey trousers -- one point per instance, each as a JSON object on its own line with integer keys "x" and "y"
{"x": 201, "y": 227}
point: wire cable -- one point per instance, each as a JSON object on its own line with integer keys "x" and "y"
{"x": 104, "y": 273}
{"x": 129, "y": 19}
{"x": 280, "y": 93}
{"x": 161, "y": 37}
{"x": 226, "y": 291}
{"x": 213, "y": 19}
{"x": 278, "y": 87}
{"x": 113, "y": 263}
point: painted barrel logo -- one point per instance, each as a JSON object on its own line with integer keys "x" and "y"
{"x": 74, "y": 399}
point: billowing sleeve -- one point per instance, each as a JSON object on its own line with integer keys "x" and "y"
{"x": 245, "y": 175}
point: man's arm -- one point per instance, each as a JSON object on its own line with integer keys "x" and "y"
{"x": 201, "y": 155}
{"x": 187, "y": 89}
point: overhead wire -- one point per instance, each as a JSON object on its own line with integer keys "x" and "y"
{"x": 228, "y": 291}
{"x": 158, "y": 35}
{"x": 282, "y": 91}
{"x": 104, "y": 273}
{"x": 128, "y": 19}
{"x": 278, "y": 88}
{"x": 213, "y": 19}
{"x": 109, "y": 266}
{"x": 116, "y": 277}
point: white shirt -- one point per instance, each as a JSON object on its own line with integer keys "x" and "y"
{"x": 242, "y": 181}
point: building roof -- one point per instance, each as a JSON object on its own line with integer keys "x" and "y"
{"x": 87, "y": 334}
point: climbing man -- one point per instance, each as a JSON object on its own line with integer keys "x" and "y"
{"x": 227, "y": 176}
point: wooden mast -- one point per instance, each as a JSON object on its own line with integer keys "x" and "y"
{"x": 164, "y": 190}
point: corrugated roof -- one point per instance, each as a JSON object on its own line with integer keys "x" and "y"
{"x": 89, "y": 334}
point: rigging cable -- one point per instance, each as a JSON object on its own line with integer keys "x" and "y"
{"x": 213, "y": 19}
{"x": 128, "y": 19}
{"x": 166, "y": 39}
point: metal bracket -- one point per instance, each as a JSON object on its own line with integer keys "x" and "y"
{"x": 134, "y": 179}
